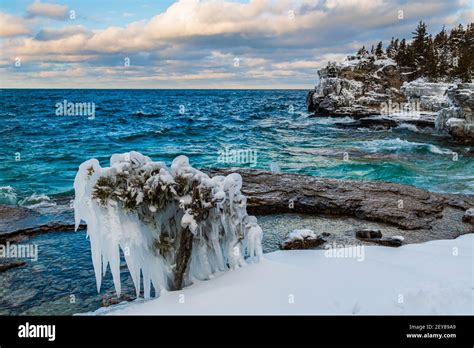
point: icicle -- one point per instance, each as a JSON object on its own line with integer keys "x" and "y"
{"x": 143, "y": 208}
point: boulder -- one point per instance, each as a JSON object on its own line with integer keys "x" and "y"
{"x": 469, "y": 216}
{"x": 368, "y": 233}
{"x": 375, "y": 236}
{"x": 301, "y": 239}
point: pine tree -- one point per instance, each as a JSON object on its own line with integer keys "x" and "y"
{"x": 430, "y": 69}
{"x": 402, "y": 55}
{"x": 418, "y": 49}
{"x": 441, "y": 50}
{"x": 379, "y": 50}
{"x": 455, "y": 43}
{"x": 444, "y": 57}
{"x": 465, "y": 68}
{"x": 362, "y": 52}
{"x": 390, "y": 51}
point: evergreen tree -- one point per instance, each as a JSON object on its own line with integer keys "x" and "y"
{"x": 402, "y": 57}
{"x": 465, "y": 66}
{"x": 441, "y": 50}
{"x": 395, "y": 46}
{"x": 419, "y": 49}
{"x": 390, "y": 51}
{"x": 444, "y": 57}
{"x": 455, "y": 43}
{"x": 362, "y": 52}
{"x": 379, "y": 50}
{"x": 430, "y": 69}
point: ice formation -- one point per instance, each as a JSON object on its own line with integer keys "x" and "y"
{"x": 173, "y": 225}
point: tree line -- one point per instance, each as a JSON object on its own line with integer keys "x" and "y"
{"x": 444, "y": 57}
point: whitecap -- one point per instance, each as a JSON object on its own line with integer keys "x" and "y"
{"x": 398, "y": 144}
{"x": 408, "y": 126}
{"x": 39, "y": 202}
{"x": 8, "y": 195}
{"x": 333, "y": 120}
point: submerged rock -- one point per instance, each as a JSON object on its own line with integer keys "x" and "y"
{"x": 375, "y": 236}
{"x": 6, "y": 264}
{"x": 368, "y": 233}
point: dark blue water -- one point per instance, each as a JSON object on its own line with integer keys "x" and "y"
{"x": 199, "y": 123}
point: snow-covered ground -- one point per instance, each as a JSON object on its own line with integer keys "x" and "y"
{"x": 430, "y": 278}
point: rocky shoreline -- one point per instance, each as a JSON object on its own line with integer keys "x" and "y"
{"x": 418, "y": 215}
{"x": 378, "y": 93}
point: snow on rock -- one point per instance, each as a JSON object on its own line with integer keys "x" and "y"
{"x": 300, "y": 235}
{"x": 425, "y": 278}
{"x": 458, "y": 118}
{"x": 301, "y": 239}
{"x": 173, "y": 225}
{"x": 469, "y": 216}
{"x": 432, "y": 96}
{"x": 400, "y": 238}
{"x": 358, "y": 86}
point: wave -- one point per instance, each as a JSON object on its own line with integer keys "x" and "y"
{"x": 145, "y": 114}
{"x": 8, "y": 195}
{"x": 39, "y": 202}
{"x": 398, "y": 144}
{"x": 8, "y": 129}
{"x": 408, "y": 126}
{"x": 333, "y": 120}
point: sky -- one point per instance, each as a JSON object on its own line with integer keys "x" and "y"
{"x": 199, "y": 43}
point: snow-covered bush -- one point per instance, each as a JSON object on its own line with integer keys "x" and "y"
{"x": 173, "y": 224}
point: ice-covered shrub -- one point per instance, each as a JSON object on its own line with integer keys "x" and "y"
{"x": 173, "y": 224}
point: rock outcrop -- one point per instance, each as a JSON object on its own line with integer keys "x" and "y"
{"x": 18, "y": 223}
{"x": 357, "y": 87}
{"x": 378, "y": 93}
{"x": 458, "y": 117}
{"x": 435, "y": 216}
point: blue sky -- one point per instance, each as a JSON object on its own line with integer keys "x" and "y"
{"x": 198, "y": 44}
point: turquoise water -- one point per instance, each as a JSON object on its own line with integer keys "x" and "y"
{"x": 40, "y": 151}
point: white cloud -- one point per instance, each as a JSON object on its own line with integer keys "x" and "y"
{"x": 12, "y": 25}
{"x": 49, "y": 10}
{"x": 194, "y": 40}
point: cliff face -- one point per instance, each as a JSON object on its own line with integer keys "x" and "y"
{"x": 458, "y": 117}
{"x": 379, "y": 92}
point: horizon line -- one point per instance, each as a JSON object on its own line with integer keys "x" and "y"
{"x": 165, "y": 89}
